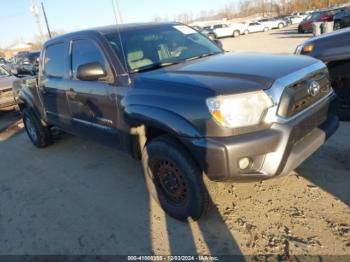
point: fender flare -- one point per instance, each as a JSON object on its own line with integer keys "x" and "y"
{"x": 167, "y": 121}
{"x": 24, "y": 97}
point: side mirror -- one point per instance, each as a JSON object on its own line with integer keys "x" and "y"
{"x": 91, "y": 72}
{"x": 218, "y": 43}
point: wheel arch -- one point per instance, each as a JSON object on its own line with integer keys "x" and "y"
{"x": 148, "y": 123}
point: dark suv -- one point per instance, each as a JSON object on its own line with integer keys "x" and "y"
{"x": 167, "y": 95}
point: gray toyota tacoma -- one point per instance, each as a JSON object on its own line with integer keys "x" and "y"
{"x": 167, "y": 95}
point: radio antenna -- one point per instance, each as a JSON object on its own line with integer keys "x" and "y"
{"x": 119, "y": 20}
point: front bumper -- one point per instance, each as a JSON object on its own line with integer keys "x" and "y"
{"x": 273, "y": 152}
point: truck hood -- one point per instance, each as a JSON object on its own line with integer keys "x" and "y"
{"x": 229, "y": 73}
{"x": 6, "y": 82}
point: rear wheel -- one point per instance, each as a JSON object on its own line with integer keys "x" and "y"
{"x": 236, "y": 33}
{"x": 266, "y": 29}
{"x": 301, "y": 30}
{"x": 38, "y": 134}
{"x": 174, "y": 180}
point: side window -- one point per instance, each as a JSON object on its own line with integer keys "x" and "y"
{"x": 54, "y": 60}
{"x": 85, "y": 52}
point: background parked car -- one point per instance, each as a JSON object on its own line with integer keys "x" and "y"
{"x": 2, "y": 60}
{"x": 306, "y": 25}
{"x": 273, "y": 23}
{"x": 333, "y": 49}
{"x": 7, "y": 101}
{"x": 342, "y": 19}
{"x": 287, "y": 19}
{"x": 254, "y": 27}
{"x": 297, "y": 19}
{"x": 27, "y": 63}
{"x": 224, "y": 30}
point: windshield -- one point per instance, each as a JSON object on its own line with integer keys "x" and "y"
{"x": 3, "y": 72}
{"x": 164, "y": 45}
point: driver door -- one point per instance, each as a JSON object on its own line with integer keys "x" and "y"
{"x": 92, "y": 103}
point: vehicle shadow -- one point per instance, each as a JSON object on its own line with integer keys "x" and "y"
{"x": 332, "y": 173}
{"x": 285, "y": 32}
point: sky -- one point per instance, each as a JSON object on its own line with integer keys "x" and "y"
{"x": 18, "y": 23}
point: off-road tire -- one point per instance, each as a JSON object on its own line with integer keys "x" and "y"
{"x": 39, "y": 135}
{"x": 164, "y": 158}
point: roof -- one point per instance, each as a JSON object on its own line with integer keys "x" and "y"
{"x": 114, "y": 28}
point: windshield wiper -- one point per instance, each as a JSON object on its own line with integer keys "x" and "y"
{"x": 154, "y": 66}
{"x": 200, "y": 56}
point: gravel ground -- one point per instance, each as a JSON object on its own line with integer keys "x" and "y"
{"x": 77, "y": 197}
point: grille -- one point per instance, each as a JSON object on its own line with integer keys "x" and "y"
{"x": 297, "y": 97}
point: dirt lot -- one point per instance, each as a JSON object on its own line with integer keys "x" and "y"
{"x": 77, "y": 197}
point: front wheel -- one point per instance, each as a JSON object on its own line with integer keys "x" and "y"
{"x": 266, "y": 29}
{"x": 211, "y": 37}
{"x": 337, "y": 26}
{"x": 280, "y": 26}
{"x": 174, "y": 180}
{"x": 246, "y": 32}
{"x": 38, "y": 134}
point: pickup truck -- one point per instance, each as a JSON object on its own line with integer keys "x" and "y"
{"x": 333, "y": 50}
{"x": 168, "y": 96}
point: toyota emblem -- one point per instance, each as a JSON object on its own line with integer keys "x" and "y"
{"x": 314, "y": 89}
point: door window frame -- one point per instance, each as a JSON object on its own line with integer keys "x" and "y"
{"x": 110, "y": 78}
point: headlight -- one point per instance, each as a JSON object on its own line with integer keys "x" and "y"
{"x": 308, "y": 48}
{"x": 239, "y": 110}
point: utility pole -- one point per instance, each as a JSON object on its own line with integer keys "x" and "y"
{"x": 35, "y": 11}
{"x": 47, "y": 23}
{"x": 117, "y": 13}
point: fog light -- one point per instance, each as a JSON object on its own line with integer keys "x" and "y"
{"x": 244, "y": 163}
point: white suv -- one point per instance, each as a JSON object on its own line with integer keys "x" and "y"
{"x": 273, "y": 23}
{"x": 223, "y": 30}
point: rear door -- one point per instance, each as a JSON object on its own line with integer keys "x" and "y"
{"x": 92, "y": 103}
{"x": 53, "y": 84}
